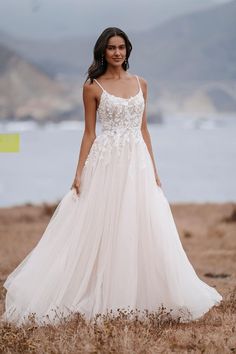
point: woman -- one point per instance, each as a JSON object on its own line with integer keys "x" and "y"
{"x": 112, "y": 241}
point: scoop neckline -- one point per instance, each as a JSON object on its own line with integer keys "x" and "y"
{"x": 123, "y": 98}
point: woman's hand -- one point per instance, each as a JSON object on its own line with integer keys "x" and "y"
{"x": 76, "y": 184}
{"x": 158, "y": 181}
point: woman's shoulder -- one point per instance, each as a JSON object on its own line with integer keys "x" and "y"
{"x": 90, "y": 87}
{"x": 142, "y": 80}
{"x": 88, "y": 83}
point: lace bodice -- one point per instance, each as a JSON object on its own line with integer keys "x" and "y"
{"x": 121, "y": 120}
{"x": 118, "y": 113}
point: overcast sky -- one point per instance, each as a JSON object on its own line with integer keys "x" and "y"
{"x": 57, "y": 18}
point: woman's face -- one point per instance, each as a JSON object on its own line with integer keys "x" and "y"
{"x": 115, "y": 51}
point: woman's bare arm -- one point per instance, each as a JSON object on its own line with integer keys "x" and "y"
{"x": 145, "y": 131}
{"x": 89, "y": 100}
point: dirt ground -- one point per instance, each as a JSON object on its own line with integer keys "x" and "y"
{"x": 208, "y": 235}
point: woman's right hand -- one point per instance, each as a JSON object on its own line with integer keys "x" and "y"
{"x": 76, "y": 184}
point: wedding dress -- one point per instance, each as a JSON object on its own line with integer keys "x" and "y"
{"x": 115, "y": 246}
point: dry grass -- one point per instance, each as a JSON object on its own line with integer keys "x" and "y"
{"x": 208, "y": 235}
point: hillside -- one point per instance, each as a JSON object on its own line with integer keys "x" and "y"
{"x": 26, "y": 92}
{"x": 189, "y": 61}
{"x": 200, "y": 46}
{"x": 197, "y": 46}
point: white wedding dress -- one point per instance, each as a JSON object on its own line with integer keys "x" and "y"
{"x": 116, "y": 244}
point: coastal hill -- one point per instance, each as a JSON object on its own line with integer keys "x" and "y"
{"x": 189, "y": 62}
{"x": 27, "y": 92}
{"x": 197, "y": 46}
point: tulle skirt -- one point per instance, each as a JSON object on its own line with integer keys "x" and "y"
{"x": 115, "y": 246}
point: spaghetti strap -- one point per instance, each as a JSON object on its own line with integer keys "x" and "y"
{"x": 99, "y": 84}
{"x": 138, "y": 82}
{"x": 105, "y": 90}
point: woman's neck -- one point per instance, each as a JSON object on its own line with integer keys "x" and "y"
{"x": 115, "y": 72}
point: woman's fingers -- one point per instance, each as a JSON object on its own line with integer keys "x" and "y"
{"x": 77, "y": 190}
{"x": 77, "y": 186}
{"x": 158, "y": 181}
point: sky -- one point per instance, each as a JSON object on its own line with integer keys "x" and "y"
{"x": 51, "y": 19}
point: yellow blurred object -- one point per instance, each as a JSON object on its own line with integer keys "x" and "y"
{"x": 9, "y": 143}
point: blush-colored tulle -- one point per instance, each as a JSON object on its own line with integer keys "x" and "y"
{"x": 115, "y": 246}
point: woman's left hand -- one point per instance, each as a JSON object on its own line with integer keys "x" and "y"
{"x": 158, "y": 181}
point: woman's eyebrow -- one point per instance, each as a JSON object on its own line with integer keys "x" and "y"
{"x": 112, "y": 45}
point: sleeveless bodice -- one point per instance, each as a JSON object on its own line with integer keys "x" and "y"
{"x": 117, "y": 113}
{"x": 121, "y": 120}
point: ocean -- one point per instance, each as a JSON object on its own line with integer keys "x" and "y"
{"x": 196, "y": 160}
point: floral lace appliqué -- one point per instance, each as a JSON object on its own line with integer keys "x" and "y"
{"x": 121, "y": 121}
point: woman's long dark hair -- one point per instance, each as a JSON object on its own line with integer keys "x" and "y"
{"x": 99, "y": 66}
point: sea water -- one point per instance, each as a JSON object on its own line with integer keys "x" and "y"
{"x": 195, "y": 158}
